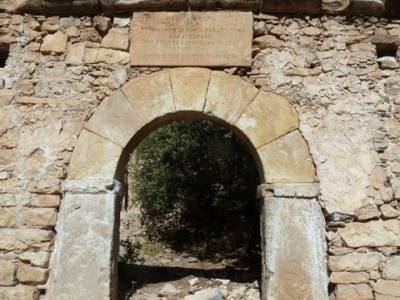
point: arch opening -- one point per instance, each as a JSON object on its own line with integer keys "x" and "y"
{"x": 266, "y": 122}
{"x": 193, "y": 186}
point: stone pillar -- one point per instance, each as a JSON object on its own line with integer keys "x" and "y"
{"x": 293, "y": 241}
{"x": 83, "y": 264}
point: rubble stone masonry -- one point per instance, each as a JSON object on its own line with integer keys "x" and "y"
{"x": 331, "y": 69}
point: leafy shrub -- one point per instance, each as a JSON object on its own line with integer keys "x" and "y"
{"x": 196, "y": 186}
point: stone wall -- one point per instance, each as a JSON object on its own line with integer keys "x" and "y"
{"x": 60, "y": 69}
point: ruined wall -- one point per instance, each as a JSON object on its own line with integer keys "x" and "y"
{"x": 60, "y": 69}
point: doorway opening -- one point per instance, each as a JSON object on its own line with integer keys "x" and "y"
{"x": 190, "y": 217}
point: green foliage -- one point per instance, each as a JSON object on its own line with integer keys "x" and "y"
{"x": 196, "y": 185}
{"x": 131, "y": 252}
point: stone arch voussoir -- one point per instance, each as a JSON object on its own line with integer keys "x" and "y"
{"x": 268, "y": 122}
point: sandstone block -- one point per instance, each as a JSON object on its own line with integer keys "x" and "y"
{"x": 387, "y": 287}
{"x": 189, "y": 97}
{"x": 228, "y": 96}
{"x": 372, "y": 234}
{"x": 116, "y": 38}
{"x": 110, "y": 56}
{"x": 349, "y": 277}
{"x": 39, "y": 216}
{"x": 355, "y": 262}
{"x": 392, "y": 268}
{"x": 94, "y": 157}
{"x": 7, "y": 217}
{"x": 367, "y": 213}
{"x": 25, "y": 238}
{"x": 116, "y": 120}
{"x": 287, "y": 160}
{"x": 151, "y": 96}
{"x": 6, "y": 96}
{"x": 275, "y": 115}
{"x": 31, "y": 275}
{"x": 20, "y": 292}
{"x": 75, "y": 54}
{"x": 7, "y": 200}
{"x": 354, "y": 292}
{"x": 45, "y": 201}
{"x": 37, "y": 258}
{"x": 389, "y": 211}
{"x": 54, "y": 43}
{"x": 7, "y": 273}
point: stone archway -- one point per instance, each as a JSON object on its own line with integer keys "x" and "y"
{"x": 84, "y": 260}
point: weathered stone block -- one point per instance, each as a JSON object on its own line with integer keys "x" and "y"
{"x": 228, "y": 96}
{"x": 25, "y": 238}
{"x": 349, "y": 277}
{"x": 190, "y": 97}
{"x": 266, "y": 118}
{"x": 75, "y": 54}
{"x": 45, "y": 201}
{"x": 8, "y": 217}
{"x": 294, "y": 232}
{"x": 31, "y": 275}
{"x": 6, "y": 96}
{"x": 387, "y": 287}
{"x": 54, "y": 43}
{"x": 116, "y": 120}
{"x": 38, "y": 216}
{"x": 353, "y": 291}
{"x": 355, "y": 262}
{"x": 334, "y": 6}
{"x": 94, "y": 157}
{"x": 110, "y": 56}
{"x": 116, "y": 38}
{"x": 287, "y": 160}
{"x": 372, "y": 234}
{"x": 37, "y": 258}
{"x": 392, "y": 268}
{"x": 86, "y": 243}
{"x": 151, "y": 96}
{"x": 20, "y": 292}
{"x": 7, "y": 273}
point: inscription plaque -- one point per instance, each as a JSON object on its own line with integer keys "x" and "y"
{"x": 191, "y": 38}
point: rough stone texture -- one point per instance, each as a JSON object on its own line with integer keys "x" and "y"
{"x": 355, "y": 262}
{"x": 387, "y": 287}
{"x": 354, "y": 292}
{"x": 392, "y": 268}
{"x": 7, "y": 273}
{"x": 189, "y": 97}
{"x": 116, "y": 38}
{"x": 291, "y": 224}
{"x": 372, "y": 234}
{"x": 31, "y": 275}
{"x": 264, "y": 108}
{"x": 95, "y": 157}
{"x": 115, "y": 120}
{"x": 227, "y": 98}
{"x": 54, "y": 43}
{"x": 87, "y": 244}
{"x": 151, "y": 97}
{"x": 325, "y": 66}
{"x": 287, "y": 159}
